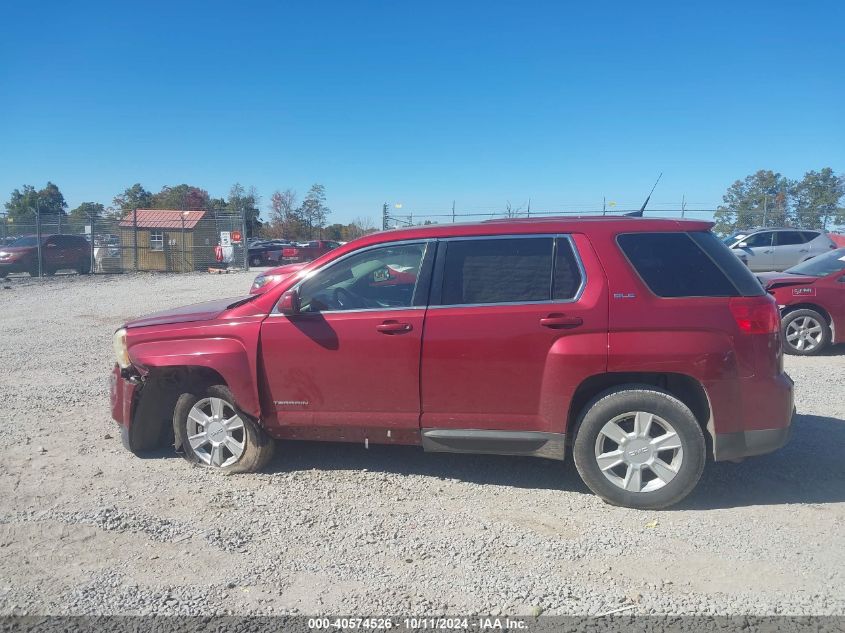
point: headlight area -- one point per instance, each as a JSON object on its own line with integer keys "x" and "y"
{"x": 263, "y": 280}
{"x": 121, "y": 351}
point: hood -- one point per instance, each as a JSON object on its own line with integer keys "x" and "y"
{"x": 205, "y": 311}
{"x": 778, "y": 280}
{"x": 280, "y": 273}
{"x": 287, "y": 269}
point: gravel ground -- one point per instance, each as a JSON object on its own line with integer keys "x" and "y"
{"x": 87, "y": 528}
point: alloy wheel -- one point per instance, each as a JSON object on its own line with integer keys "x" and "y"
{"x": 639, "y": 451}
{"x": 804, "y": 334}
{"x": 216, "y": 432}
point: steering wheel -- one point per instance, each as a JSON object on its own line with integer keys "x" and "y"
{"x": 345, "y": 299}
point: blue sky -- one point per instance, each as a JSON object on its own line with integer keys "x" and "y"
{"x": 420, "y": 103}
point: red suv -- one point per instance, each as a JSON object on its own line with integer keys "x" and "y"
{"x": 58, "y": 252}
{"x": 640, "y": 347}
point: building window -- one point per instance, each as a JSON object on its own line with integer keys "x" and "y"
{"x": 156, "y": 240}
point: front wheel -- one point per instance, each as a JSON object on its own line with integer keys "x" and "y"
{"x": 215, "y": 434}
{"x": 639, "y": 447}
{"x": 805, "y": 332}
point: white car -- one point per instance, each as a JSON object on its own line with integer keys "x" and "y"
{"x": 778, "y": 249}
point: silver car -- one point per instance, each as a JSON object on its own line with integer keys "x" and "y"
{"x": 778, "y": 249}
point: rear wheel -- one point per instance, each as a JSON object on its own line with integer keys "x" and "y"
{"x": 255, "y": 260}
{"x": 639, "y": 447}
{"x": 805, "y": 332}
{"x": 215, "y": 434}
{"x": 84, "y": 267}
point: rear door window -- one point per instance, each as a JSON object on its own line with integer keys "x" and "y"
{"x": 788, "y": 238}
{"x": 567, "y": 274}
{"x": 681, "y": 265}
{"x": 508, "y": 270}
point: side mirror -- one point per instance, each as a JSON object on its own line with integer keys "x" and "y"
{"x": 742, "y": 245}
{"x": 289, "y": 303}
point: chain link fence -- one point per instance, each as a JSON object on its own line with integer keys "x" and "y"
{"x": 168, "y": 241}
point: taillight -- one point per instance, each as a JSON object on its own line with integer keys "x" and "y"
{"x": 288, "y": 252}
{"x": 756, "y": 315}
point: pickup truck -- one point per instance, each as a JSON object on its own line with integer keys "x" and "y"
{"x": 637, "y": 347}
{"x": 307, "y": 251}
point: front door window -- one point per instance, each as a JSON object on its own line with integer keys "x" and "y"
{"x": 376, "y": 279}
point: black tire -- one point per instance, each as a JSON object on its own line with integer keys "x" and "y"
{"x": 792, "y": 347}
{"x": 644, "y": 398}
{"x": 258, "y": 449}
{"x": 255, "y": 261}
{"x": 84, "y": 267}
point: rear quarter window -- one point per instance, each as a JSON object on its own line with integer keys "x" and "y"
{"x": 679, "y": 264}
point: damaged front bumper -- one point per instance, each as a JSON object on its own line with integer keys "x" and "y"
{"x": 123, "y": 394}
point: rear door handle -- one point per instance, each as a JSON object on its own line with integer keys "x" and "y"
{"x": 394, "y": 327}
{"x": 561, "y": 321}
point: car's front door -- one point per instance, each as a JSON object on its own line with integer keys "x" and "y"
{"x": 512, "y": 329}
{"x": 53, "y": 253}
{"x": 757, "y": 248}
{"x": 346, "y": 367}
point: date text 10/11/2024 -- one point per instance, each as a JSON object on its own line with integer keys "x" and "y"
{"x": 419, "y": 623}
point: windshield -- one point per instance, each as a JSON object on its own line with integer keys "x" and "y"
{"x": 821, "y": 266}
{"x": 733, "y": 238}
{"x": 30, "y": 240}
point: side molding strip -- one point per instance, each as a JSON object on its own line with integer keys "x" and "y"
{"x": 529, "y": 443}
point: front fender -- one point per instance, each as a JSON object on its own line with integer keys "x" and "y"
{"x": 229, "y": 357}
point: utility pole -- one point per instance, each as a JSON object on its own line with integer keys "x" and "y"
{"x": 765, "y": 210}
{"x": 529, "y": 207}
{"x": 453, "y": 211}
{"x": 384, "y": 217}
{"x": 683, "y": 204}
{"x": 604, "y": 205}
{"x": 38, "y": 236}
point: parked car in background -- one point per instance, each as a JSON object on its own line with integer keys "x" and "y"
{"x": 307, "y": 251}
{"x": 266, "y": 253}
{"x": 58, "y": 252}
{"x": 778, "y": 249}
{"x": 623, "y": 342}
{"x": 811, "y": 298}
{"x": 266, "y": 280}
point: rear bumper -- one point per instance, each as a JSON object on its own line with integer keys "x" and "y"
{"x": 761, "y": 415}
{"x": 729, "y": 446}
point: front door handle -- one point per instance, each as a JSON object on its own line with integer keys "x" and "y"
{"x": 561, "y": 321}
{"x": 394, "y": 327}
{"x": 804, "y": 250}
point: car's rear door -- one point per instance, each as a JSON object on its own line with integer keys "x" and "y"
{"x": 789, "y": 248}
{"x": 515, "y": 323}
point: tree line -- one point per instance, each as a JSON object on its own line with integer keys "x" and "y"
{"x": 764, "y": 198}
{"x": 767, "y": 198}
{"x": 288, "y": 218}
